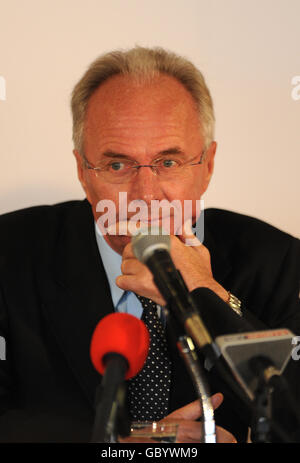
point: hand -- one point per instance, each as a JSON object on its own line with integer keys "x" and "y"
{"x": 137, "y": 277}
{"x": 189, "y": 430}
{"x": 193, "y": 262}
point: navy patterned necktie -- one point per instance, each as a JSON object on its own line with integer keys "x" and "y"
{"x": 149, "y": 391}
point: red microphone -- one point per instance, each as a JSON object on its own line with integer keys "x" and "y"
{"x": 123, "y": 334}
{"x": 119, "y": 348}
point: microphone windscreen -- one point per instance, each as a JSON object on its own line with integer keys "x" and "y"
{"x": 123, "y": 334}
{"x": 148, "y": 240}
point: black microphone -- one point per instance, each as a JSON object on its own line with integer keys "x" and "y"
{"x": 153, "y": 250}
{"x": 119, "y": 348}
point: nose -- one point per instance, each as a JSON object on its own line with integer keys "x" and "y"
{"x": 145, "y": 185}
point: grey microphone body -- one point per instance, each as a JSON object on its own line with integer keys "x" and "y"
{"x": 149, "y": 240}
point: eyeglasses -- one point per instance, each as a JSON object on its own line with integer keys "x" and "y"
{"x": 124, "y": 170}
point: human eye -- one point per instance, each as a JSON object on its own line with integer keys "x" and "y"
{"x": 168, "y": 163}
{"x": 116, "y": 166}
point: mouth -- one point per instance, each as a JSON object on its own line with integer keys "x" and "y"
{"x": 132, "y": 227}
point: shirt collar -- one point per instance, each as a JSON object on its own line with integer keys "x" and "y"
{"x": 112, "y": 265}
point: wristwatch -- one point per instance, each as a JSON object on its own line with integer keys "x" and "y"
{"x": 234, "y": 303}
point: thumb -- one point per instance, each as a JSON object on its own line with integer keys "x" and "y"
{"x": 193, "y": 410}
{"x": 187, "y": 236}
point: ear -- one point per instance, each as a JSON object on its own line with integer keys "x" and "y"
{"x": 81, "y": 172}
{"x": 208, "y": 164}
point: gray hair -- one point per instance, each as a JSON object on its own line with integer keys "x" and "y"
{"x": 143, "y": 64}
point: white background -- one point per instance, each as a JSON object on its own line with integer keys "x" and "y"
{"x": 249, "y": 52}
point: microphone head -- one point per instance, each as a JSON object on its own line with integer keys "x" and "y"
{"x": 148, "y": 240}
{"x": 123, "y": 334}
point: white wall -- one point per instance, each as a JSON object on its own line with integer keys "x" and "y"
{"x": 249, "y": 51}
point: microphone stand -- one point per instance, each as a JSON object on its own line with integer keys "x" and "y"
{"x": 111, "y": 418}
{"x": 189, "y": 355}
{"x": 187, "y": 350}
{"x": 261, "y": 419}
{"x": 268, "y": 379}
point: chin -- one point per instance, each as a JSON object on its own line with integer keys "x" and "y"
{"x": 118, "y": 242}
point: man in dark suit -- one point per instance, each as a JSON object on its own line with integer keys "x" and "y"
{"x": 143, "y": 125}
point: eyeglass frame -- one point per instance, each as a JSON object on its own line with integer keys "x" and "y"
{"x": 90, "y": 166}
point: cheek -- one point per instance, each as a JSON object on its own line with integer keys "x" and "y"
{"x": 97, "y": 193}
{"x": 189, "y": 190}
{"x": 190, "y": 198}
{"x": 92, "y": 194}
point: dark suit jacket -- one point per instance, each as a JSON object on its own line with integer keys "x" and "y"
{"x": 53, "y": 292}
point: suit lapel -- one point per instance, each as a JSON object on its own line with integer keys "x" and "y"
{"x": 220, "y": 262}
{"x": 77, "y": 295}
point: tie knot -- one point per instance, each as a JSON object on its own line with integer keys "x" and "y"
{"x": 145, "y": 301}
{"x": 149, "y": 308}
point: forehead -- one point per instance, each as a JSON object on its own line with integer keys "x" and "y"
{"x": 122, "y": 109}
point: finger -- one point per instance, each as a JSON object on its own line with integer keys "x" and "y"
{"x": 192, "y": 432}
{"x": 132, "y": 266}
{"x": 189, "y": 432}
{"x": 217, "y": 400}
{"x": 193, "y": 410}
{"x": 125, "y": 282}
{"x": 143, "y": 287}
{"x": 128, "y": 252}
{"x": 224, "y": 437}
{"x": 188, "y": 236}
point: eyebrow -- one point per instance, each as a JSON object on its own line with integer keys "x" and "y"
{"x": 172, "y": 150}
